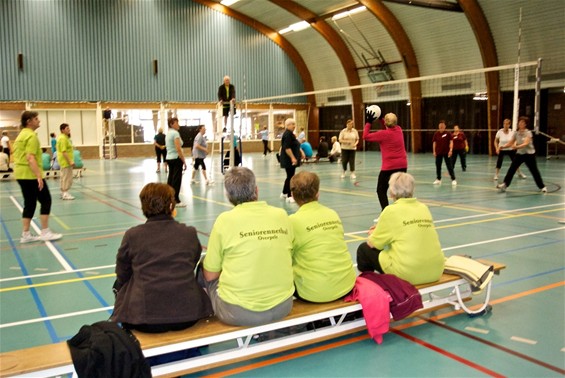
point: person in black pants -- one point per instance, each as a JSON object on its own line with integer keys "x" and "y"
{"x": 443, "y": 149}
{"x": 290, "y": 156}
{"x": 175, "y": 159}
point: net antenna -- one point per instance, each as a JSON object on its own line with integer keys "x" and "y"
{"x": 376, "y": 72}
{"x": 516, "y": 108}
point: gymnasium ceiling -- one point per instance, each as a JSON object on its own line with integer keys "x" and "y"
{"x": 408, "y": 38}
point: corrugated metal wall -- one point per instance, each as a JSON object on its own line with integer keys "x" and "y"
{"x": 103, "y": 50}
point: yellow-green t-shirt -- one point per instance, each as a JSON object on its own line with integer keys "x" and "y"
{"x": 323, "y": 269}
{"x": 64, "y": 144}
{"x": 251, "y": 245}
{"x": 411, "y": 249}
{"x": 26, "y": 143}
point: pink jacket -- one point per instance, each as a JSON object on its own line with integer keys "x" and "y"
{"x": 375, "y": 303}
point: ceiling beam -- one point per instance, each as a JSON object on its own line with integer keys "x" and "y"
{"x": 430, "y": 4}
{"x": 406, "y": 50}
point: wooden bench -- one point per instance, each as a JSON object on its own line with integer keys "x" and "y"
{"x": 52, "y": 173}
{"x": 233, "y": 344}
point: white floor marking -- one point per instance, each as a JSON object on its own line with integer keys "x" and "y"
{"x": 523, "y": 340}
{"x": 477, "y": 330}
{"x": 54, "y": 273}
{"x": 37, "y": 320}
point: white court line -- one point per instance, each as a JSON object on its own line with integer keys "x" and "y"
{"x": 37, "y": 320}
{"x": 49, "y": 245}
{"x": 477, "y": 330}
{"x": 479, "y": 215}
{"x": 57, "y": 273}
{"x": 523, "y": 340}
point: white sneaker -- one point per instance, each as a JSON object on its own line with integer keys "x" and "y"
{"x": 210, "y": 182}
{"x": 180, "y": 204}
{"x": 502, "y": 187}
{"x": 342, "y": 175}
{"x": 376, "y": 220}
{"x": 67, "y": 196}
{"x": 193, "y": 181}
{"x": 454, "y": 183}
{"x": 29, "y": 238}
{"x": 544, "y": 189}
{"x": 353, "y": 176}
{"x": 290, "y": 200}
{"x": 47, "y": 235}
{"x": 437, "y": 182}
{"x": 495, "y": 178}
{"x": 522, "y": 176}
{"x": 283, "y": 196}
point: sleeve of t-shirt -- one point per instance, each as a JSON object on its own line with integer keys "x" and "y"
{"x": 214, "y": 253}
{"x": 382, "y": 234}
{"x": 32, "y": 146}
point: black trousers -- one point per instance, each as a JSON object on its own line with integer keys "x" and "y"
{"x": 382, "y": 185}
{"x": 289, "y": 174}
{"x": 32, "y": 194}
{"x": 463, "y": 155}
{"x": 530, "y": 161}
{"x": 266, "y": 147}
{"x": 439, "y": 159}
{"x": 348, "y": 156}
{"x": 368, "y": 258}
{"x": 501, "y": 156}
{"x": 175, "y": 176}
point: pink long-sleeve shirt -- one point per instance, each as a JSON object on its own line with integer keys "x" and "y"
{"x": 391, "y": 141}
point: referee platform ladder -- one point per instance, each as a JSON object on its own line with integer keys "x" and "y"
{"x": 109, "y": 150}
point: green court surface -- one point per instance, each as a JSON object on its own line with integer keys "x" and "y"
{"x": 49, "y": 290}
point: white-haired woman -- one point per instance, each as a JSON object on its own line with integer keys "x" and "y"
{"x": 404, "y": 242}
{"x": 290, "y": 156}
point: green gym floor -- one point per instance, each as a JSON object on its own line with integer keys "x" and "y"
{"x": 49, "y": 290}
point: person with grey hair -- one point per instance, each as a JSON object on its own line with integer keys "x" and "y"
{"x": 247, "y": 270}
{"x": 393, "y": 153}
{"x": 404, "y": 241}
{"x": 290, "y": 157}
{"x": 226, "y": 96}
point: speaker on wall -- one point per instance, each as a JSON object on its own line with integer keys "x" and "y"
{"x": 155, "y": 67}
{"x": 20, "y": 61}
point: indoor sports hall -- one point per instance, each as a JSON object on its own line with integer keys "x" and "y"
{"x": 117, "y": 71}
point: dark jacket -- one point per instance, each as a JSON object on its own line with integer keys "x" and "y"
{"x": 223, "y": 96}
{"x": 155, "y": 274}
{"x": 289, "y": 140}
{"x": 103, "y": 349}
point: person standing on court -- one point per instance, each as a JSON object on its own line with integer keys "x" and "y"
{"x": 65, "y": 157}
{"x": 290, "y": 157}
{"x": 160, "y": 149}
{"x": 29, "y": 174}
{"x": 175, "y": 158}
{"x": 6, "y": 143}
{"x": 523, "y": 143}
{"x": 503, "y": 136}
{"x": 265, "y": 139}
{"x": 248, "y": 265}
{"x": 393, "y": 152}
{"x": 226, "y": 96}
{"x": 460, "y": 148}
{"x": 443, "y": 149}
{"x": 348, "y": 138}
{"x": 199, "y": 152}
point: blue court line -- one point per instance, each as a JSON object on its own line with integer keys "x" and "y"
{"x": 33, "y": 291}
{"x": 521, "y": 248}
{"x": 529, "y": 277}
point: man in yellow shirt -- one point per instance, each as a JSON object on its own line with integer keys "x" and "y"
{"x": 65, "y": 157}
{"x": 29, "y": 174}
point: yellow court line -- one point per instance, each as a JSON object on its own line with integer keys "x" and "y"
{"x": 212, "y": 201}
{"x": 24, "y": 287}
{"x": 58, "y": 220}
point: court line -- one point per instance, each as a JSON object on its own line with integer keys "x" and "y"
{"x": 57, "y": 273}
{"x": 71, "y": 280}
{"x": 65, "y": 264}
{"x": 53, "y": 317}
{"x": 497, "y": 346}
{"x": 356, "y": 339}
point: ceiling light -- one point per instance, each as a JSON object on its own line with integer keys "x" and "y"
{"x": 295, "y": 27}
{"x": 480, "y": 96}
{"x": 227, "y": 3}
{"x": 349, "y": 13}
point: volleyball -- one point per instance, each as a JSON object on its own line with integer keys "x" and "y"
{"x": 375, "y": 109}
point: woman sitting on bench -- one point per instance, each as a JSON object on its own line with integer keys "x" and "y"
{"x": 404, "y": 241}
{"x": 156, "y": 289}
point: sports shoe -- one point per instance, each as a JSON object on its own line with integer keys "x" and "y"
{"x": 193, "y": 181}
{"x": 210, "y": 182}
{"x": 495, "y": 177}
{"x": 522, "y": 176}
{"x": 343, "y": 175}
{"x": 454, "y": 183}
{"x": 158, "y": 171}
{"x": 544, "y": 189}
{"x": 67, "y": 196}
{"x": 501, "y": 187}
{"x": 29, "y": 238}
{"x": 290, "y": 200}
{"x": 47, "y": 235}
{"x": 353, "y": 176}
{"x": 437, "y": 182}
{"x": 283, "y": 196}
{"x": 180, "y": 204}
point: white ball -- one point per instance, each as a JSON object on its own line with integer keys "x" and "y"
{"x": 375, "y": 109}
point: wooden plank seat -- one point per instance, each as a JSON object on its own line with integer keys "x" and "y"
{"x": 230, "y": 344}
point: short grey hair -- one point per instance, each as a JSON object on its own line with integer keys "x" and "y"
{"x": 390, "y": 119}
{"x": 288, "y": 121}
{"x": 240, "y": 185}
{"x": 401, "y": 185}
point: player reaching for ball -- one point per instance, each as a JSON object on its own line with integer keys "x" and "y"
{"x": 393, "y": 152}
